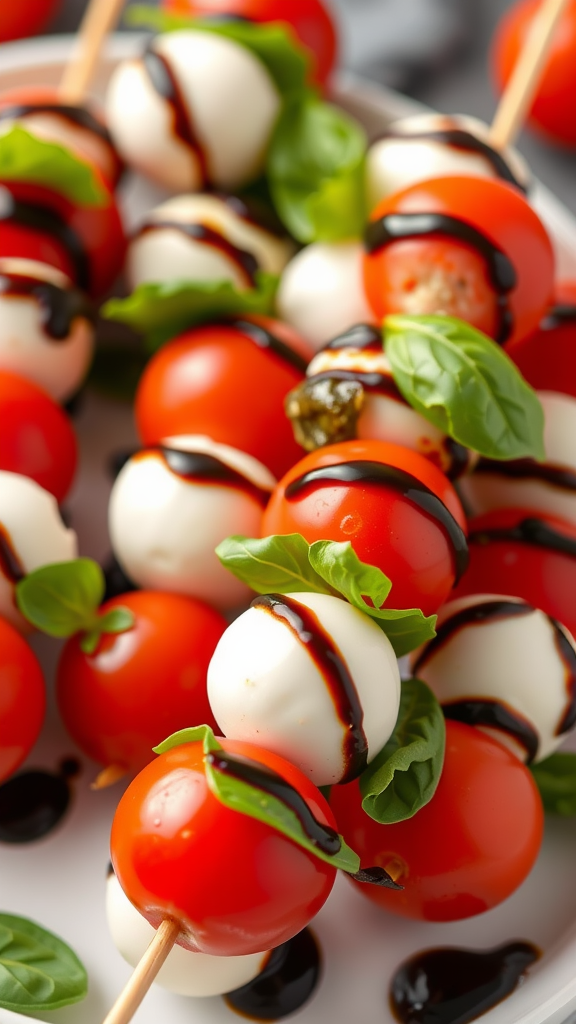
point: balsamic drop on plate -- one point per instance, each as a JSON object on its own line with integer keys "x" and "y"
{"x": 33, "y": 802}
{"x": 286, "y": 983}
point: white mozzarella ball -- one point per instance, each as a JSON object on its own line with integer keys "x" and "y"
{"x": 184, "y": 972}
{"x": 166, "y": 249}
{"x": 57, "y": 364}
{"x": 168, "y": 513}
{"x": 513, "y": 661}
{"x": 32, "y": 534}
{"x": 322, "y": 293}
{"x": 549, "y": 488}
{"x": 268, "y": 685}
{"x": 413, "y": 150}
{"x": 226, "y": 97}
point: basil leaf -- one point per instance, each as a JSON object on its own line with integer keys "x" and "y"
{"x": 38, "y": 971}
{"x": 403, "y": 777}
{"x": 163, "y": 310}
{"x": 272, "y": 565}
{"x": 316, "y": 170}
{"x": 198, "y": 734}
{"x": 24, "y": 157}
{"x": 464, "y": 384}
{"x": 556, "y": 780}
{"x": 117, "y": 620}
{"x": 274, "y": 44}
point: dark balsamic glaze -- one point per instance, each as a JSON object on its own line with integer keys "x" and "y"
{"x": 496, "y": 715}
{"x": 166, "y": 85}
{"x": 380, "y": 383}
{"x": 459, "y": 138}
{"x": 396, "y": 226}
{"x": 79, "y": 116}
{"x": 559, "y": 315}
{"x": 10, "y": 565}
{"x": 199, "y": 467}
{"x": 59, "y": 306}
{"x": 33, "y": 802}
{"x": 459, "y": 458}
{"x": 454, "y": 986}
{"x": 531, "y": 531}
{"x": 361, "y": 336}
{"x": 245, "y": 261}
{"x": 474, "y": 615}
{"x": 260, "y": 777}
{"x": 567, "y": 655}
{"x": 529, "y": 469}
{"x": 367, "y": 472}
{"x": 305, "y": 625}
{"x": 40, "y": 218}
{"x": 264, "y": 338}
{"x": 287, "y": 981}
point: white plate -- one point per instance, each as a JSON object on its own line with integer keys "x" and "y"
{"x": 60, "y": 880}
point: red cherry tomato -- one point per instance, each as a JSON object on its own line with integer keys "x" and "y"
{"x": 36, "y": 437}
{"x": 553, "y": 110}
{"x": 22, "y": 699}
{"x": 547, "y": 358}
{"x": 140, "y": 686}
{"x": 465, "y": 851}
{"x": 309, "y": 19}
{"x": 384, "y": 526}
{"x": 28, "y": 18}
{"x": 222, "y": 381}
{"x": 235, "y": 884}
{"x": 442, "y": 274}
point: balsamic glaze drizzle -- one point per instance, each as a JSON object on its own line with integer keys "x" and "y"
{"x": 10, "y": 565}
{"x": 166, "y": 85}
{"x": 33, "y": 802}
{"x": 264, "y": 338}
{"x": 59, "y": 307}
{"x": 496, "y": 715}
{"x": 567, "y": 655}
{"x": 320, "y": 646}
{"x": 459, "y": 138}
{"x": 287, "y": 981}
{"x": 396, "y": 226}
{"x": 244, "y": 260}
{"x": 367, "y": 472}
{"x": 47, "y": 221}
{"x": 199, "y": 467}
{"x": 472, "y": 616}
{"x": 559, "y": 315}
{"x": 529, "y": 469}
{"x": 531, "y": 531}
{"x": 79, "y": 116}
{"x": 361, "y": 336}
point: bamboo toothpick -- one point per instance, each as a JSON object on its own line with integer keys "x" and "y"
{"x": 525, "y": 79}
{"x": 144, "y": 974}
{"x": 100, "y": 18}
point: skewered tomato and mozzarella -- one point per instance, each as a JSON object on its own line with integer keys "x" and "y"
{"x": 22, "y": 698}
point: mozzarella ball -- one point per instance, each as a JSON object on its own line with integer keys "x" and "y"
{"x": 46, "y": 329}
{"x": 184, "y": 972}
{"x": 172, "y": 505}
{"x": 307, "y": 676}
{"x": 203, "y": 238}
{"x": 196, "y": 108}
{"x": 32, "y": 534}
{"x": 501, "y": 664}
{"x": 321, "y": 292}
{"x": 549, "y": 487}
{"x": 426, "y": 146}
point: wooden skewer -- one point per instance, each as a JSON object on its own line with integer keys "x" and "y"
{"x": 100, "y": 17}
{"x": 129, "y": 1000}
{"x": 109, "y": 776}
{"x": 525, "y": 79}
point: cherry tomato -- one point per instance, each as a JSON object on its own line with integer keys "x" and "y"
{"x": 466, "y": 850}
{"x": 553, "y": 111}
{"x": 142, "y": 685}
{"x": 547, "y": 358}
{"x": 229, "y": 382}
{"x": 385, "y": 527}
{"x": 28, "y": 18}
{"x": 235, "y": 884}
{"x": 309, "y": 19}
{"x": 36, "y": 437}
{"x": 22, "y": 699}
{"x": 441, "y": 273}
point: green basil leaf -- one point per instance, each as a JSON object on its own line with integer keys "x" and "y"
{"x": 556, "y": 780}
{"x": 38, "y": 971}
{"x": 161, "y": 311}
{"x": 198, "y": 734}
{"x": 24, "y": 157}
{"x": 465, "y": 384}
{"x": 272, "y": 565}
{"x": 404, "y": 775}
{"x": 62, "y": 599}
{"x": 274, "y": 44}
{"x": 117, "y": 620}
{"x": 316, "y": 170}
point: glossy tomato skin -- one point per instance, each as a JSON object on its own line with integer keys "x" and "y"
{"x": 140, "y": 686}
{"x": 466, "y": 850}
{"x": 235, "y": 884}
{"x": 22, "y": 699}
{"x": 36, "y": 437}
{"x": 309, "y": 19}
{"x": 384, "y": 527}
{"x": 553, "y": 110}
{"x": 25, "y": 19}
{"x": 500, "y": 213}
{"x": 547, "y": 358}
{"x": 217, "y": 380}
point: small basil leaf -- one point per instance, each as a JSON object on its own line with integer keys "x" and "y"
{"x": 272, "y": 565}
{"x": 24, "y": 157}
{"x": 406, "y": 628}
{"x": 316, "y": 170}
{"x": 464, "y": 384}
{"x": 198, "y": 734}
{"x": 117, "y": 620}
{"x": 403, "y": 776}
{"x": 556, "y": 780}
{"x": 38, "y": 971}
{"x": 160, "y": 311}
{"x": 274, "y": 44}
{"x": 62, "y": 599}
